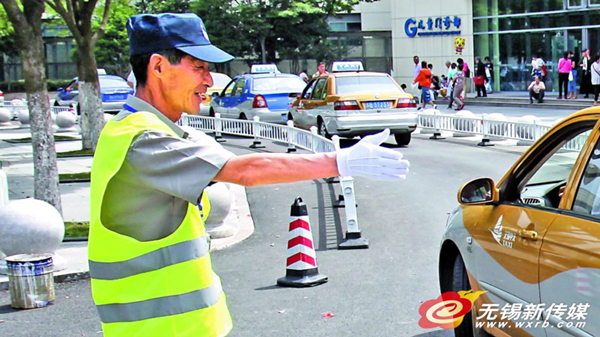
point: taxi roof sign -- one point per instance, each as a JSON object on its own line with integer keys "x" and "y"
{"x": 347, "y": 66}
{"x": 263, "y": 68}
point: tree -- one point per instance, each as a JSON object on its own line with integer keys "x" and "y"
{"x": 78, "y": 16}
{"x": 112, "y": 51}
{"x": 26, "y": 20}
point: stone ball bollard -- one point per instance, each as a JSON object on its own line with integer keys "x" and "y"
{"x": 65, "y": 120}
{"x": 4, "y": 117}
{"x": 30, "y": 226}
{"x": 24, "y": 117}
{"x": 221, "y": 199}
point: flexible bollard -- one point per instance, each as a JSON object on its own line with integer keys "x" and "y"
{"x": 354, "y": 239}
{"x": 437, "y": 134}
{"x": 485, "y": 139}
{"x": 301, "y": 270}
{"x": 256, "y": 144}
{"x": 290, "y": 136}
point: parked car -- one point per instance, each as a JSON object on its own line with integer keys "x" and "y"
{"x": 265, "y": 93}
{"x": 220, "y": 81}
{"x": 114, "y": 90}
{"x": 350, "y": 102}
{"x": 532, "y": 240}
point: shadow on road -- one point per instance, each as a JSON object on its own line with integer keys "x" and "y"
{"x": 7, "y": 309}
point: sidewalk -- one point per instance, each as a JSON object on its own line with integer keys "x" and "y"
{"x": 16, "y": 162}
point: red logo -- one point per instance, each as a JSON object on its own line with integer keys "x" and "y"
{"x": 448, "y": 310}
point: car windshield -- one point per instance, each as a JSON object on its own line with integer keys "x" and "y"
{"x": 108, "y": 82}
{"x": 278, "y": 84}
{"x": 366, "y": 84}
{"x": 220, "y": 80}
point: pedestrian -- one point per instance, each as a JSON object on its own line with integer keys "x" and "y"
{"x": 480, "y": 78}
{"x": 573, "y": 81}
{"x": 564, "y": 68}
{"x": 320, "y": 70}
{"x": 417, "y": 69}
{"x": 458, "y": 87}
{"x": 489, "y": 73}
{"x": 586, "y": 78}
{"x": 424, "y": 79}
{"x": 537, "y": 89}
{"x": 467, "y": 73}
{"x": 451, "y": 74}
{"x": 150, "y": 267}
{"x": 303, "y": 75}
{"x": 435, "y": 82}
{"x": 595, "y": 71}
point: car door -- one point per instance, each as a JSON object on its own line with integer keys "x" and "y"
{"x": 220, "y": 103}
{"x": 314, "y": 106}
{"x": 301, "y": 115}
{"x": 509, "y": 236}
{"x": 570, "y": 255}
{"x": 236, "y": 98}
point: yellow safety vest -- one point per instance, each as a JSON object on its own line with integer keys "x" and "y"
{"x": 161, "y": 288}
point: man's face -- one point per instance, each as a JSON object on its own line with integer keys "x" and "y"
{"x": 321, "y": 68}
{"x": 537, "y": 80}
{"x": 185, "y": 83}
{"x": 416, "y": 59}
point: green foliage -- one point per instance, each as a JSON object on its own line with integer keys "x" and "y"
{"x": 77, "y": 229}
{"x": 162, "y": 6}
{"x": 112, "y": 50}
{"x": 19, "y": 86}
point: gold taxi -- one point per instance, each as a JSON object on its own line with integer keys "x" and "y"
{"x": 220, "y": 81}
{"x": 531, "y": 242}
{"x": 350, "y": 102}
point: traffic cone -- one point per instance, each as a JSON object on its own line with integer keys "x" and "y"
{"x": 301, "y": 268}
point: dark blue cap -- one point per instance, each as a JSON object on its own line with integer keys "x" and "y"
{"x": 156, "y": 32}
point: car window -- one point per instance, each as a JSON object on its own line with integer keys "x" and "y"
{"x": 587, "y": 199}
{"x": 238, "y": 88}
{"x": 228, "y": 89}
{"x": 308, "y": 90}
{"x": 366, "y": 84}
{"x": 220, "y": 80}
{"x": 111, "y": 82}
{"x": 278, "y": 84}
{"x": 319, "y": 88}
{"x": 548, "y": 171}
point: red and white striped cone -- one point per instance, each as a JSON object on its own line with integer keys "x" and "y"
{"x": 301, "y": 268}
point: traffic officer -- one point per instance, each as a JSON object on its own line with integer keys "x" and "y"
{"x": 148, "y": 251}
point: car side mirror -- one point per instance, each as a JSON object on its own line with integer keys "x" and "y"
{"x": 478, "y": 191}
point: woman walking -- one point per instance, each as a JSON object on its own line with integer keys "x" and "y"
{"x": 564, "y": 68}
{"x": 480, "y": 78}
{"x": 595, "y": 70}
{"x": 573, "y": 81}
{"x": 459, "y": 85}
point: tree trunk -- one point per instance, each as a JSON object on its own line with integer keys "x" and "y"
{"x": 90, "y": 101}
{"x": 28, "y": 25}
{"x": 263, "y": 48}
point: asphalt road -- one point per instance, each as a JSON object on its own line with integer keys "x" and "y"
{"x": 371, "y": 292}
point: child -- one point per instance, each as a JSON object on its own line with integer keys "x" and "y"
{"x": 573, "y": 82}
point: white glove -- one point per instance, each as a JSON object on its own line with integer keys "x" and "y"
{"x": 414, "y": 85}
{"x": 368, "y": 159}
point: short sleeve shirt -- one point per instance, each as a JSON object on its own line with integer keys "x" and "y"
{"x": 148, "y": 198}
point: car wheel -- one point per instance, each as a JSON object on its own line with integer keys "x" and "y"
{"x": 402, "y": 138}
{"x": 322, "y": 129}
{"x": 211, "y": 112}
{"x": 460, "y": 282}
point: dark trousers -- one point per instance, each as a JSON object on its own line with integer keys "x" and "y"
{"x": 563, "y": 82}
{"x": 538, "y": 97}
{"x": 480, "y": 89}
{"x": 596, "y": 91}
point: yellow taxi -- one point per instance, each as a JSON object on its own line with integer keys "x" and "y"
{"x": 351, "y": 102}
{"x": 220, "y": 81}
{"x": 529, "y": 246}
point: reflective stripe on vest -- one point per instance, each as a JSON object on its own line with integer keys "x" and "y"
{"x": 177, "y": 253}
{"x": 159, "y": 307}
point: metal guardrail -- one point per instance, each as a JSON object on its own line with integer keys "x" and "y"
{"x": 294, "y": 138}
{"x": 491, "y": 126}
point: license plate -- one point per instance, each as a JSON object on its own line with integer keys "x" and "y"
{"x": 117, "y": 97}
{"x": 378, "y": 105}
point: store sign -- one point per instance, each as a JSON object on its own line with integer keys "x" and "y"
{"x": 432, "y": 26}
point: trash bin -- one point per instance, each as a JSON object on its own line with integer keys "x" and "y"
{"x": 31, "y": 280}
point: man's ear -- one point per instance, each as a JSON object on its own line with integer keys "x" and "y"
{"x": 157, "y": 65}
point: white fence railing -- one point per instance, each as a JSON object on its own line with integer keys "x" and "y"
{"x": 294, "y": 137}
